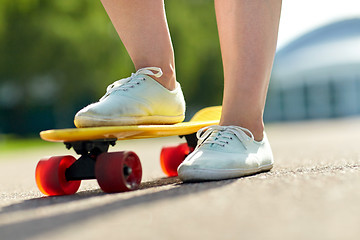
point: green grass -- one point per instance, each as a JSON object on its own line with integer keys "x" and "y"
{"x": 10, "y": 143}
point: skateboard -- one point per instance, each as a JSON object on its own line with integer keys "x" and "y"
{"x": 114, "y": 171}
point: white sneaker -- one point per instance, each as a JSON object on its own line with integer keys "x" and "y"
{"x": 135, "y": 100}
{"x": 225, "y": 152}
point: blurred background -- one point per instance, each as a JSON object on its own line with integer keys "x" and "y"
{"x": 58, "y": 56}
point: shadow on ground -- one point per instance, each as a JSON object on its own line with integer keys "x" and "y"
{"x": 56, "y": 200}
{"x": 34, "y": 227}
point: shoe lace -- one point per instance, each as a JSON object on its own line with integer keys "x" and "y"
{"x": 126, "y": 83}
{"x": 223, "y": 135}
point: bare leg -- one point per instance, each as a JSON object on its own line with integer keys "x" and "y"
{"x": 142, "y": 27}
{"x": 248, "y": 34}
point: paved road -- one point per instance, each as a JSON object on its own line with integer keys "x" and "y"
{"x": 312, "y": 193}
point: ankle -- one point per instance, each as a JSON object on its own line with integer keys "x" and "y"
{"x": 258, "y": 134}
{"x": 257, "y": 129}
{"x": 168, "y": 78}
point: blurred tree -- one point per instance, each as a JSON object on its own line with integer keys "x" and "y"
{"x": 58, "y": 56}
{"x": 197, "y": 51}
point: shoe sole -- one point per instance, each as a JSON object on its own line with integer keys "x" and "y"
{"x": 82, "y": 122}
{"x": 200, "y": 175}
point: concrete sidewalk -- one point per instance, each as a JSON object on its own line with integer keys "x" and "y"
{"x": 312, "y": 193}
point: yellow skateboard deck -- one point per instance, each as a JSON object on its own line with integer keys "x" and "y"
{"x": 205, "y": 117}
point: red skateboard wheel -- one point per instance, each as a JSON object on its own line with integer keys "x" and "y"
{"x": 172, "y": 157}
{"x": 118, "y": 171}
{"x": 50, "y": 176}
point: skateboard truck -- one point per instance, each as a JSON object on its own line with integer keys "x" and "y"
{"x": 191, "y": 139}
{"x": 84, "y": 167}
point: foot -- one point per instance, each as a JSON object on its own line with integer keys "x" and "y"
{"x": 135, "y": 100}
{"x": 225, "y": 152}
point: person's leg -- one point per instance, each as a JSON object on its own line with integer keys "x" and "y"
{"x": 239, "y": 146}
{"x": 248, "y": 35}
{"x": 140, "y": 99}
{"x": 143, "y": 29}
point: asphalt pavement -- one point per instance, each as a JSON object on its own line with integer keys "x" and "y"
{"x": 311, "y": 193}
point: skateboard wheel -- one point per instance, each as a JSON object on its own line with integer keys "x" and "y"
{"x": 50, "y": 176}
{"x": 118, "y": 171}
{"x": 172, "y": 157}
